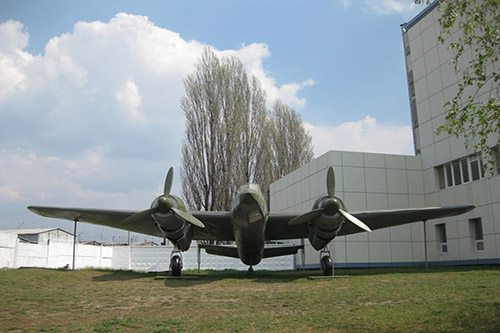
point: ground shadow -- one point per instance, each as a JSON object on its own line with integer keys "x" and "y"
{"x": 120, "y": 275}
{"x": 193, "y": 277}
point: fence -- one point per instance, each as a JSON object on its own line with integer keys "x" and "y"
{"x": 15, "y": 254}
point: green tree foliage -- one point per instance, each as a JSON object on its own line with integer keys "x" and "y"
{"x": 230, "y": 137}
{"x": 471, "y": 29}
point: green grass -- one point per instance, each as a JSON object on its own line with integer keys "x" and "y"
{"x": 390, "y": 299}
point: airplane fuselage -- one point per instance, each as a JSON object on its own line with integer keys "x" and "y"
{"x": 249, "y": 218}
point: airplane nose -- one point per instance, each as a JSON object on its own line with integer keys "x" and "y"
{"x": 247, "y": 210}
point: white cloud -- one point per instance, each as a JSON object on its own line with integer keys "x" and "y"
{"x": 345, "y": 3}
{"x": 407, "y": 8}
{"x": 252, "y": 57}
{"x": 12, "y": 36}
{"x": 13, "y": 60}
{"x": 30, "y": 179}
{"x": 8, "y": 192}
{"x": 130, "y": 100}
{"x": 365, "y": 135}
{"x": 97, "y": 115}
{"x": 105, "y": 79}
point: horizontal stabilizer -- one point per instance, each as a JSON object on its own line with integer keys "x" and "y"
{"x": 281, "y": 251}
{"x": 220, "y": 250}
{"x": 231, "y": 251}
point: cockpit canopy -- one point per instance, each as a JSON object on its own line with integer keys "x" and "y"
{"x": 249, "y": 186}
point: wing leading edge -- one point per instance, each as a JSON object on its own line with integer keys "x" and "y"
{"x": 217, "y": 224}
{"x": 278, "y": 227}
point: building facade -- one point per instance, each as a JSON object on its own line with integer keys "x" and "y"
{"x": 442, "y": 173}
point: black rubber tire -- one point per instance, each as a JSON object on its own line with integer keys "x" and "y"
{"x": 175, "y": 264}
{"x": 327, "y": 266}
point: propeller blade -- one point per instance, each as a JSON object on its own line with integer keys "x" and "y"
{"x": 354, "y": 220}
{"x": 187, "y": 217}
{"x": 313, "y": 214}
{"x": 168, "y": 182}
{"x": 330, "y": 182}
{"x": 138, "y": 217}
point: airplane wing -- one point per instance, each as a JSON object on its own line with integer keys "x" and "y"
{"x": 278, "y": 228}
{"x": 105, "y": 217}
{"x": 217, "y": 224}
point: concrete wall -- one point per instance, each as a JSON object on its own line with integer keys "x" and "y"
{"x": 15, "y": 254}
{"x": 364, "y": 181}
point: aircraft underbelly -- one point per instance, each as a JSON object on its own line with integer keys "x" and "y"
{"x": 250, "y": 241}
{"x": 249, "y": 229}
{"x": 249, "y": 217}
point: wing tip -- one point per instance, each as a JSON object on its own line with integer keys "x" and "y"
{"x": 468, "y": 208}
{"x": 33, "y": 209}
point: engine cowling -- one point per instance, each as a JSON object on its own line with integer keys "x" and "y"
{"x": 175, "y": 229}
{"x": 327, "y": 216}
{"x": 325, "y": 227}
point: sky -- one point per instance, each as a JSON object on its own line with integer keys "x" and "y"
{"x": 90, "y": 90}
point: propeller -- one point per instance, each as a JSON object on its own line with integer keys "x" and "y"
{"x": 331, "y": 206}
{"x": 164, "y": 205}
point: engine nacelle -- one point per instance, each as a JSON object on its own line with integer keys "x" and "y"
{"x": 323, "y": 229}
{"x": 175, "y": 229}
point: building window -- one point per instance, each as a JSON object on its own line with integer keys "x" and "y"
{"x": 476, "y": 165}
{"x": 413, "y": 100}
{"x": 460, "y": 171}
{"x": 477, "y": 229}
{"x": 29, "y": 238}
{"x": 495, "y": 152}
{"x": 443, "y": 241}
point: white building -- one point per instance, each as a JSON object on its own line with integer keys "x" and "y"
{"x": 42, "y": 235}
{"x": 442, "y": 173}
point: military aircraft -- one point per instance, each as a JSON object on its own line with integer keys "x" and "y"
{"x": 249, "y": 223}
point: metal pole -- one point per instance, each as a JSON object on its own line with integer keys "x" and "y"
{"x": 199, "y": 258}
{"x": 425, "y": 247}
{"x": 74, "y": 243}
{"x": 303, "y": 254}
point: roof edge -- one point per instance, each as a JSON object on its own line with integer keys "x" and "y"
{"x": 421, "y": 15}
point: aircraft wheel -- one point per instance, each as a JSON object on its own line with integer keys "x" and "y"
{"x": 327, "y": 265}
{"x": 176, "y": 265}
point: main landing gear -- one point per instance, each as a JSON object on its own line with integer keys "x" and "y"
{"x": 176, "y": 263}
{"x": 326, "y": 262}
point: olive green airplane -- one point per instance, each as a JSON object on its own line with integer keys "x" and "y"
{"x": 248, "y": 224}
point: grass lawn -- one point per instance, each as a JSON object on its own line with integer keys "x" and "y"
{"x": 389, "y": 299}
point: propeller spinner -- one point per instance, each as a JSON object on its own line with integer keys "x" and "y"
{"x": 164, "y": 204}
{"x": 330, "y": 207}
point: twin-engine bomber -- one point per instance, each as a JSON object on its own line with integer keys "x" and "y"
{"x": 249, "y": 223}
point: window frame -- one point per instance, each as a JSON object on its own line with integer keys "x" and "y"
{"x": 460, "y": 171}
{"x": 442, "y": 238}
{"x": 477, "y": 234}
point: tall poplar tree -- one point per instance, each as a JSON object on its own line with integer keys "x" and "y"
{"x": 230, "y": 137}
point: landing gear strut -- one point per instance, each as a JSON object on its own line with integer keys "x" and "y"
{"x": 176, "y": 263}
{"x": 250, "y": 269}
{"x": 326, "y": 262}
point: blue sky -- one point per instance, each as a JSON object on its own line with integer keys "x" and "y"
{"x": 89, "y": 91}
